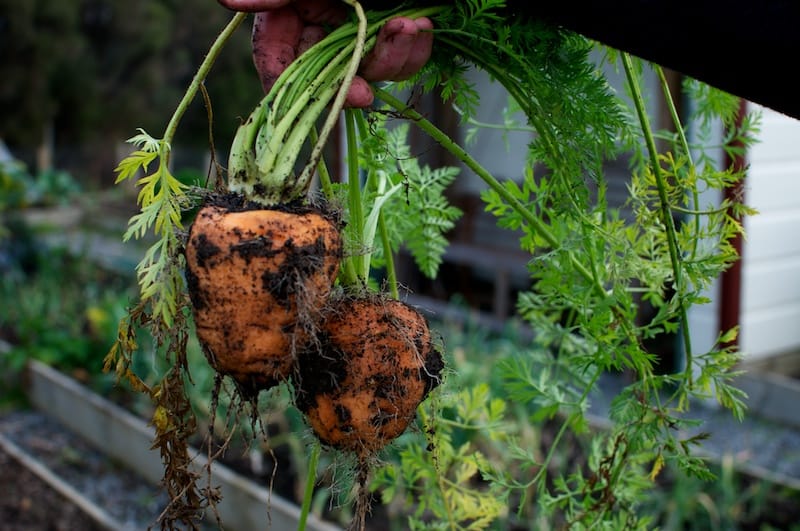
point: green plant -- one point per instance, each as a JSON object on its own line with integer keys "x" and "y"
{"x": 22, "y": 189}
{"x": 590, "y": 266}
{"x": 65, "y": 312}
{"x": 14, "y": 183}
{"x": 733, "y": 500}
{"x": 19, "y": 190}
{"x": 587, "y": 265}
{"x": 403, "y": 202}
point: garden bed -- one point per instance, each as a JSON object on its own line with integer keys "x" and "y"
{"x": 112, "y": 441}
{"x": 30, "y": 503}
{"x": 763, "y": 450}
{"x": 125, "y": 438}
{"x": 54, "y": 479}
{"x": 773, "y": 387}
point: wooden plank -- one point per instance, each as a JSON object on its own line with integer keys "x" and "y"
{"x": 122, "y": 435}
{"x": 773, "y": 186}
{"x": 777, "y": 140}
{"x": 772, "y": 236}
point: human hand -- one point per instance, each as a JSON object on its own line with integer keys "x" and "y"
{"x": 284, "y": 29}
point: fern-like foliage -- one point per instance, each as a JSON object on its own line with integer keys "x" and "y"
{"x": 161, "y": 199}
{"x": 427, "y": 239}
{"x": 593, "y": 266}
{"x": 445, "y": 481}
{"x": 547, "y": 72}
{"x": 415, "y": 210}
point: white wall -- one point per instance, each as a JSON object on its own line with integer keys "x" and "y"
{"x": 502, "y": 153}
{"x": 770, "y": 317}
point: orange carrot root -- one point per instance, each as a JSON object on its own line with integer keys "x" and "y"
{"x": 374, "y": 364}
{"x": 257, "y": 280}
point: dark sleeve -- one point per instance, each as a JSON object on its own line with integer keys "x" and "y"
{"x": 749, "y": 48}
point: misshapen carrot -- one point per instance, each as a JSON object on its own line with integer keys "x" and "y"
{"x": 257, "y": 280}
{"x": 374, "y": 363}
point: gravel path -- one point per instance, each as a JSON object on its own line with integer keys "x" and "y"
{"x": 29, "y": 504}
{"x": 760, "y": 446}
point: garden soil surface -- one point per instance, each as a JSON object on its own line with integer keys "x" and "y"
{"x": 30, "y": 504}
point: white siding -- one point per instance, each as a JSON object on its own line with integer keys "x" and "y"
{"x": 770, "y": 316}
{"x": 503, "y": 153}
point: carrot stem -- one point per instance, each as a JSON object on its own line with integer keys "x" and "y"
{"x": 356, "y": 220}
{"x": 666, "y": 213}
{"x": 391, "y": 273}
{"x": 308, "y": 494}
{"x": 338, "y": 102}
{"x": 325, "y": 181}
{"x": 538, "y": 225}
{"x": 266, "y": 146}
{"x": 202, "y": 72}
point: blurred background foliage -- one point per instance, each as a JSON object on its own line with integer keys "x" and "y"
{"x": 79, "y": 76}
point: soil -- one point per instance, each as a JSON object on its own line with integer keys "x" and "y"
{"x": 30, "y": 504}
{"x": 33, "y": 505}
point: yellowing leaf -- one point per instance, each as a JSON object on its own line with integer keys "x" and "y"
{"x": 98, "y": 318}
{"x": 658, "y": 465}
{"x": 729, "y": 336}
{"x": 132, "y": 164}
{"x": 465, "y": 471}
{"x": 161, "y": 419}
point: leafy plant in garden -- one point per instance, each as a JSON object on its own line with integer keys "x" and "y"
{"x": 731, "y": 501}
{"x": 64, "y": 324}
{"x": 589, "y": 265}
{"x": 436, "y": 480}
{"x": 20, "y": 190}
{"x": 591, "y": 268}
{"x": 260, "y": 336}
{"x": 403, "y": 202}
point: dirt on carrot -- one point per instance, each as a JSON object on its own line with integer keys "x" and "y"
{"x": 374, "y": 363}
{"x": 258, "y": 278}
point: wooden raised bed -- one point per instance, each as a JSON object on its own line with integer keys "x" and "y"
{"x": 245, "y": 505}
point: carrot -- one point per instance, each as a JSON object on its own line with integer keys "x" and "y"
{"x": 359, "y": 386}
{"x": 258, "y": 269}
{"x": 257, "y": 278}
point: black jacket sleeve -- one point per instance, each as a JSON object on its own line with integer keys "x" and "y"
{"x": 748, "y": 48}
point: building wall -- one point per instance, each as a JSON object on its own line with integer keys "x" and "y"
{"x": 770, "y": 314}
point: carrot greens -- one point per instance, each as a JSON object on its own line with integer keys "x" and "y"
{"x": 266, "y": 147}
{"x": 593, "y": 266}
{"x": 162, "y": 198}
